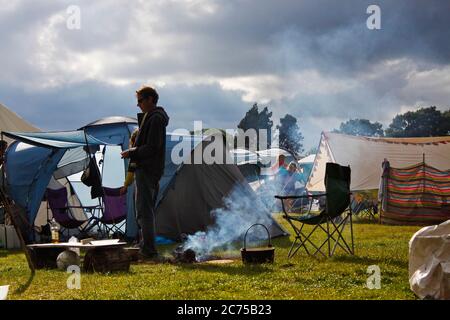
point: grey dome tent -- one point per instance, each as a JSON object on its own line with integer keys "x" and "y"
{"x": 191, "y": 192}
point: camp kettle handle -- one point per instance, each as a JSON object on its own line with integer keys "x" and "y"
{"x": 268, "y": 234}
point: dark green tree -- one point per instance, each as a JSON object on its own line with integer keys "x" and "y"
{"x": 424, "y": 122}
{"x": 361, "y": 127}
{"x": 446, "y": 116}
{"x": 290, "y": 137}
{"x": 254, "y": 119}
{"x": 265, "y": 122}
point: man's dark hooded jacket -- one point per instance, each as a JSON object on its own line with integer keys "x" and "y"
{"x": 150, "y": 147}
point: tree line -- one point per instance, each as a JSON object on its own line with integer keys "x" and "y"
{"x": 424, "y": 122}
{"x": 290, "y": 136}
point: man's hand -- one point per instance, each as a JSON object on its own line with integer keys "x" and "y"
{"x": 125, "y": 154}
{"x": 123, "y": 190}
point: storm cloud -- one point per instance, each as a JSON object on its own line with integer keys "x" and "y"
{"x": 211, "y": 60}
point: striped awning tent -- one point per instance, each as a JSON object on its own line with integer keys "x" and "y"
{"x": 365, "y": 156}
{"x": 415, "y": 195}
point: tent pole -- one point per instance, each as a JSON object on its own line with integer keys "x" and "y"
{"x": 2, "y": 163}
{"x": 4, "y": 200}
{"x": 424, "y": 175}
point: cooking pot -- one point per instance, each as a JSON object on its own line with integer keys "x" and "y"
{"x": 258, "y": 255}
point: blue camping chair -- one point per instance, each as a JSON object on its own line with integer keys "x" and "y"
{"x": 114, "y": 212}
{"x": 57, "y": 202}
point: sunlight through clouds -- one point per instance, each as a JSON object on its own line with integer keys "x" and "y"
{"x": 294, "y": 56}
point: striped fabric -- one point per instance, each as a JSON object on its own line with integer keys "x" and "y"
{"x": 416, "y": 195}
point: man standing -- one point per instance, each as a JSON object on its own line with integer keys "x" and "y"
{"x": 149, "y": 156}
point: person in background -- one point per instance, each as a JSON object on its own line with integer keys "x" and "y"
{"x": 281, "y": 170}
{"x": 292, "y": 184}
{"x": 129, "y": 179}
{"x": 282, "y": 162}
{"x": 303, "y": 178}
{"x": 292, "y": 179}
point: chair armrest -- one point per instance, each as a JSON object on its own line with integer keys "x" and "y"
{"x": 82, "y": 207}
{"x": 79, "y": 207}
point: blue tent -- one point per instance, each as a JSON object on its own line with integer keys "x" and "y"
{"x": 117, "y": 131}
{"x": 34, "y": 158}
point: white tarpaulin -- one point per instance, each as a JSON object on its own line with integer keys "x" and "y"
{"x": 308, "y": 159}
{"x": 429, "y": 262}
{"x": 365, "y": 157}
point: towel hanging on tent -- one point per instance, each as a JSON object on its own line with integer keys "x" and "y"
{"x": 91, "y": 178}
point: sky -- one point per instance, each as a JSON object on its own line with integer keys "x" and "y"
{"x": 212, "y": 60}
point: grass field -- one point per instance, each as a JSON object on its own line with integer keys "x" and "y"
{"x": 301, "y": 277}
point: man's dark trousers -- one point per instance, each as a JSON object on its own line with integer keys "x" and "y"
{"x": 146, "y": 193}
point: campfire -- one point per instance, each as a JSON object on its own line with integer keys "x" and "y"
{"x": 183, "y": 255}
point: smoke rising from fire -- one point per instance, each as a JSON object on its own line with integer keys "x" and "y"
{"x": 242, "y": 208}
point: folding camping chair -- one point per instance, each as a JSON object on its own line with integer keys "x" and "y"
{"x": 61, "y": 210}
{"x": 114, "y": 211}
{"x": 337, "y": 201}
